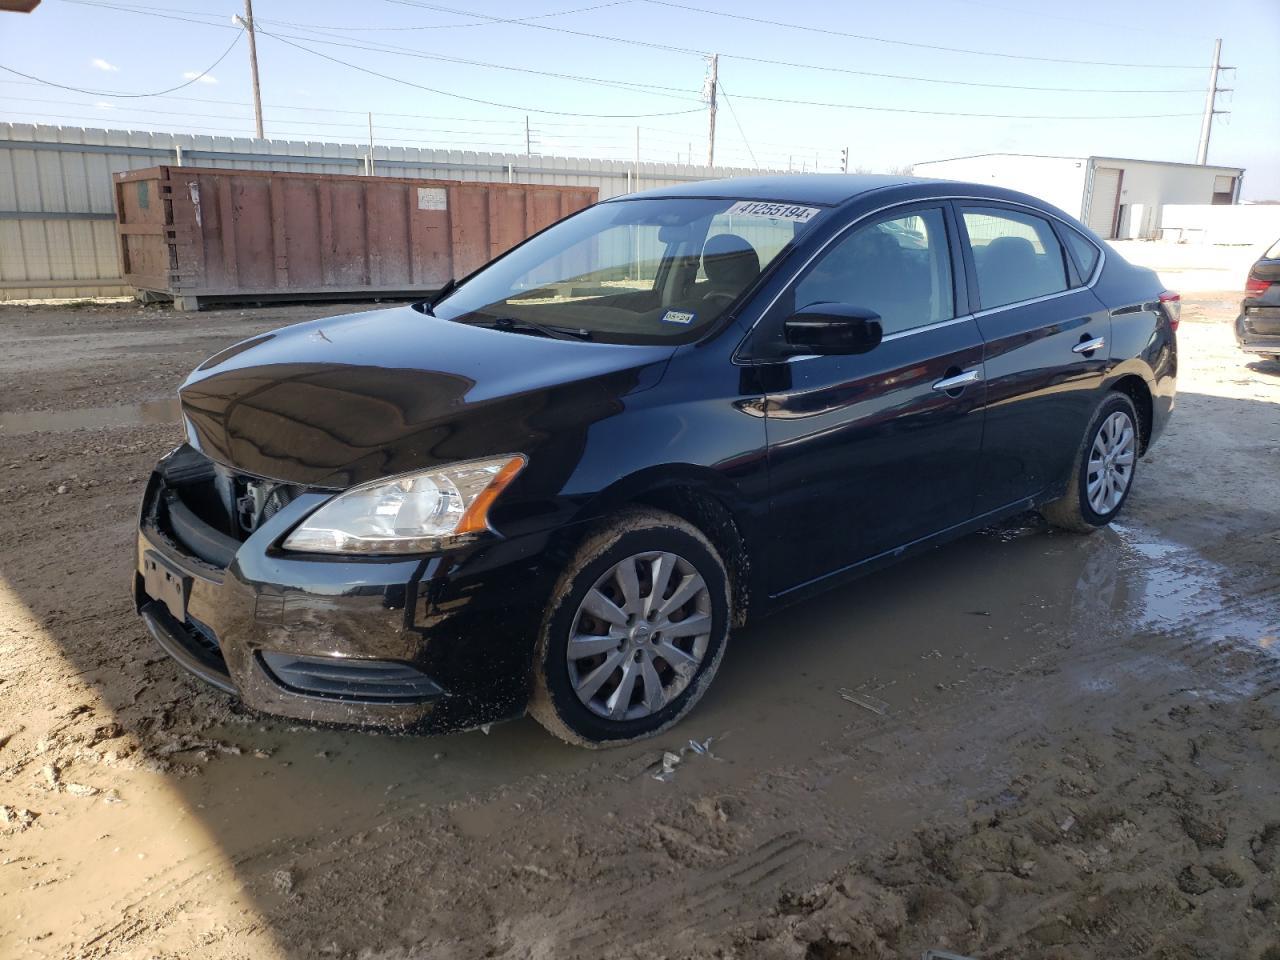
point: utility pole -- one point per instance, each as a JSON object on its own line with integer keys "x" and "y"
{"x": 713, "y": 84}
{"x": 528, "y": 151}
{"x": 371, "y": 143}
{"x": 247, "y": 22}
{"x": 1211, "y": 103}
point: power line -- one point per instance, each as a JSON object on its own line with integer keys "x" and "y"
{"x": 632, "y": 86}
{"x": 617, "y": 84}
{"x": 908, "y": 43}
{"x": 411, "y": 116}
{"x": 791, "y": 64}
{"x": 111, "y": 93}
{"x": 954, "y": 83}
{"x": 347, "y": 28}
{"x": 643, "y": 87}
{"x": 952, "y": 113}
{"x": 211, "y": 20}
{"x": 375, "y": 47}
{"x": 459, "y": 96}
{"x": 455, "y": 26}
{"x": 734, "y": 113}
{"x": 1145, "y": 30}
{"x": 491, "y": 20}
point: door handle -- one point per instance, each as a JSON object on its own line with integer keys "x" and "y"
{"x": 959, "y": 381}
{"x": 1088, "y": 346}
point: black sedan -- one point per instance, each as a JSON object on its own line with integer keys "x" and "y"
{"x": 558, "y": 486}
{"x": 1258, "y": 326}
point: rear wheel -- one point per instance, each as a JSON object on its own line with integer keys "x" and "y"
{"x": 635, "y": 632}
{"x": 1102, "y": 475}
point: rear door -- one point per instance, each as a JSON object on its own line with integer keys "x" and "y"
{"x": 1047, "y": 349}
{"x": 872, "y": 451}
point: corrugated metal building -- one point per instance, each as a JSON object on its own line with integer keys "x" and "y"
{"x": 1118, "y": 198}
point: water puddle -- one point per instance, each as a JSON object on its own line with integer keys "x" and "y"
{"x": 1185, "y": 591}
{"x": 91, "y": 418}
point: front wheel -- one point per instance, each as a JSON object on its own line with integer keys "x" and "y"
{"x": 1102, "y": 474}
{"x": 635, "y": 631}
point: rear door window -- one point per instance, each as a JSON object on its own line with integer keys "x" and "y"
{"x": 1016, "y": 255}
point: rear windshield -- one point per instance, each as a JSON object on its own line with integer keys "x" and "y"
{"x": 633, "y": 271}
{"x": 1273, "y": 253}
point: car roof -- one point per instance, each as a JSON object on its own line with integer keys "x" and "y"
{"x": 826, "y": 189}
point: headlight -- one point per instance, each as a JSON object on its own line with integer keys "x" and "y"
{"x": 414, "y": 513}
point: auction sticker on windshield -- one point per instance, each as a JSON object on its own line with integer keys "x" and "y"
{"x": 774, "y": 211}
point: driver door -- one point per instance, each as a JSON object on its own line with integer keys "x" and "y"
{"x": 871, "y": 452}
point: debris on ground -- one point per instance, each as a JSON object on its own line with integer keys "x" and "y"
{"x": 874, "y": 704}
{"x": 284, "y": 881}
{"x": 665, "y": 768}
{"x": 16, "y": 819}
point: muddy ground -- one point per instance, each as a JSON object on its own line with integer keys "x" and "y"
{"x": 1061, "y": 747}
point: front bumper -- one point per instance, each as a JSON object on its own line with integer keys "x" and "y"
{"x": 413, "y": 644}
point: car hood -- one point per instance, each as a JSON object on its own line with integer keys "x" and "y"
{"x": 341, "y": 401}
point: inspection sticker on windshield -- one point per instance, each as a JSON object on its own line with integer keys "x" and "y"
{"x": 678, "y": 316}
{"x": 774, "y": 211}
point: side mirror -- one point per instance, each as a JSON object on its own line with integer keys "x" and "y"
{"x": 834, "y": 328}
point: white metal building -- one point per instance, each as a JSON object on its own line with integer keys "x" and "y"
{"x": 1115, "y": 197}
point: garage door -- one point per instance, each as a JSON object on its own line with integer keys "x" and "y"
{"x": 1102, "y": 208}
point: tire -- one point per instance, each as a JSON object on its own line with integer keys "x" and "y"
{"x": 1075, "y": 510}
{"x": 658, "y": 546}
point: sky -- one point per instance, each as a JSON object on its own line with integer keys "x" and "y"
{"x": 466, "y": 77}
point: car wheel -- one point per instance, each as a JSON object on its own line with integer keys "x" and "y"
{"x": 1102, "y": 475}
{"x": 635, "y": 632}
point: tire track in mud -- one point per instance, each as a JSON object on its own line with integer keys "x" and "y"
{"x": 707, "y": 901}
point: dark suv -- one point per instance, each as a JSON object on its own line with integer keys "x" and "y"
{"x": 560, "y": 484}
{"x": 1258, "y": 326}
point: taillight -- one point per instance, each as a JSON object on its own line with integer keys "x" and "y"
{"x": 1172, "y": 303}
{"x": 1256, "y": 286}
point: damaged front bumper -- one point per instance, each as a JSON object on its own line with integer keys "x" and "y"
{"x": 421, "y": 644}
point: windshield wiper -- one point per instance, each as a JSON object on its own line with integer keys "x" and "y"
{"x": 532, "y": 326}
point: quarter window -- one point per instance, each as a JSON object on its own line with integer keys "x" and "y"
{"x": 1017, "y": 256}
{"x": 1084, "y": 251}
{"x": 899, "y": 267}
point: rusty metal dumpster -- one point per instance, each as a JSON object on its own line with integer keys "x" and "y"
{"x": 197, "y": 234}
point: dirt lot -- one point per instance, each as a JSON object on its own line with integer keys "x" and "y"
{"x": 1064, "y": 747}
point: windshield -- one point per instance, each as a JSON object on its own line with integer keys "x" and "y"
{"x": 632, "y": 271}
